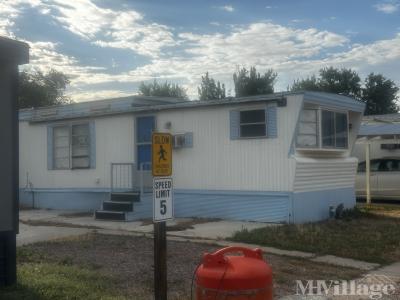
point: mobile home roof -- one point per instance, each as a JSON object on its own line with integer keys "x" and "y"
{"x": 147, "y": 104}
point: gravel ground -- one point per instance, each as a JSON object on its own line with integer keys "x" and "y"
{"x": 130, "y": 259}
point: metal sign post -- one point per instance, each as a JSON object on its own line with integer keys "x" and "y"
{"x": 162, "y": 208}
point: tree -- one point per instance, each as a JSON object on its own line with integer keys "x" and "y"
{"x": 343, "y": 81}
{"x": 165, "y": 89}
{"x": 308, "y": 84}
{"x": 380, "y": 95}
{"x": 38, "y": 89}
{"x": 209, "y": 90}
{"x": 331, "y": 80}
{"x": 249, "y": 83}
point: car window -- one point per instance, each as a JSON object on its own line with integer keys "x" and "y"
{"x": 389, "y": 165}
{"x": 374, "y": 165}
{"x": 385, "y": 166}
{"x": 395, "y": 165}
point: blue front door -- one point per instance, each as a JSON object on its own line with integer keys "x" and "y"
{"x": 144, "y": 128}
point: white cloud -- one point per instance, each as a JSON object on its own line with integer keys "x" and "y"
{"x": 101, "y": 26}
{"x": 298, "y": 20}
{"x": 90, "y": 95}
{"x": 228, "y": 8}
{"x": 388, "y": 7}
{"x": 292, "y": 52}
{"x": 113, "y": 28}
{"x": 215, "y": 23}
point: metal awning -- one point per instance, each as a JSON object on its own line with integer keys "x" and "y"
{"x": 380, "y": 129}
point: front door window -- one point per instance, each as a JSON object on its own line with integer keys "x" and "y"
{"x": 144, "y": 129}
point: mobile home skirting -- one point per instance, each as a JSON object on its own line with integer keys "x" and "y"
{"x": 273, "y": 207}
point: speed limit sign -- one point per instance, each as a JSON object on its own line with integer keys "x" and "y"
{"x": 162, "y": 199}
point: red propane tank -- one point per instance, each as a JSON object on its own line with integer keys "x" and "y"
{"x": 222, "y": 276}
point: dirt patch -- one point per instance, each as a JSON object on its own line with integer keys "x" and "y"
{"x": 183, "y": 224}
{"x": 129, "y": 259}
{"x": 77, "y": 214}
{"x": 56, "y": 224}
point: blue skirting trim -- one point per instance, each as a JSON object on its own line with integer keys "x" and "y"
{"x": 64, "y": 199}
{"x": 234, "y": 205}
{"x": 314, "y": 206}
{"x": 276, "y": 207}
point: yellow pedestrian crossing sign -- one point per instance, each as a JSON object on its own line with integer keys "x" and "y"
{"x": 161, "y": 154}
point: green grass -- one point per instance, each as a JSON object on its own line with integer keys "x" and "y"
{"x": 359, "y": 235}
{"x": 57, "y": 281}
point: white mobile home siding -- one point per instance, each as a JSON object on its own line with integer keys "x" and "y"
{"x": 114, "y": 143}
{"x": 218, "y": 163}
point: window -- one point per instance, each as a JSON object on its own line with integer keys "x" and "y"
{"x": 390, "y": 146}
{"x": 80, "y": 146}
{"x": 374, "y": 166}
{"x": 61, "y": 147}
{"x": 322, "y": 128}
{"x": 334, "y": 129}
{"x": 144, "y": 129}
{"x": 389, "y": 165}
{"x": 71, "y": 147}
{"x": 308, "y": 129}
{"x": 253, "y": 123}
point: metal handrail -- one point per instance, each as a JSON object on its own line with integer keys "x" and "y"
{"x": 132, "y": 170}
{"x": 142, "y": 169}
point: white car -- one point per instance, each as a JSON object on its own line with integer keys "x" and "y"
{"x": 384, "y": 180}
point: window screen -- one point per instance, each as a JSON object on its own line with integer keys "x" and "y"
{"x": 61, "y": 149}
{"x": 71, "y": 147}
{"x": 308, "y": 128}
{"x": 80, "y": 146}
{"x": 253, "y": 123}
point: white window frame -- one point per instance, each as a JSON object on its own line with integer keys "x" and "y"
{"x": 255, "y": 123}
{"x": 319, "y": 131}
{"x": 317, "y": 134}
{"x": 70, "y": 138}
{"x": 321, "y": 109}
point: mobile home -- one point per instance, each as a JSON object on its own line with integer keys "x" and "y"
{"x": 283, "y": 157}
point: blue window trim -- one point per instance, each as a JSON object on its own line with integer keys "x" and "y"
{"x": 271, "y": 122}
{"x": 92, "y": 144}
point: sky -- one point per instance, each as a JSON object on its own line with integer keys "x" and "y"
{"x": 108, "y": 47}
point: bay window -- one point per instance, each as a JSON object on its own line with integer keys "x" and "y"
{"x": 322, "y": 129}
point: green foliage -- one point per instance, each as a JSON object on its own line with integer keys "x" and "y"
{"x": 360, "y": 235}
{"x": 343, "y": 81}
{"x": 307, "y": 84}
{"x": 165, "y": 89}
{"x": 331, "y": 80}
{"x": 380, "y": 95}
{"x": 38, "y": 89}
{"x": 209, "y": 90}
{"x": 50, "y": 281}
{"x": 248, "y": 83}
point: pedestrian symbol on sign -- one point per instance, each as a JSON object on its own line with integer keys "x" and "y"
{"x": 161, "y": 154}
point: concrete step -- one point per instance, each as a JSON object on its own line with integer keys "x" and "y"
{"x": 109, "y": 215}
{"x": 125, "y": 196}
{"x": 124, "y": 206}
